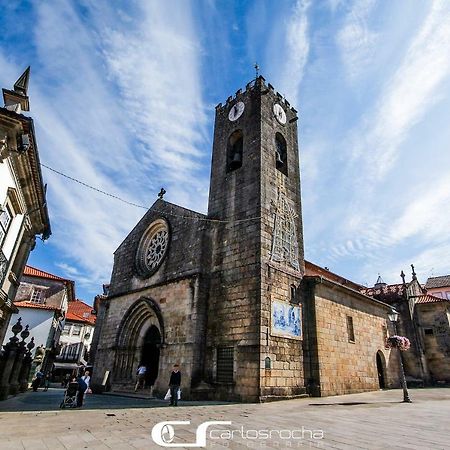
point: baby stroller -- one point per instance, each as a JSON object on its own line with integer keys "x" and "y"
{"x": 70, "y": 396}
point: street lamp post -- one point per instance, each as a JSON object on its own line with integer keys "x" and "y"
{"x": 393, "y": 317}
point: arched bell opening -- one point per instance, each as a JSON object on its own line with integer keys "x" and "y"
{"x": 139, "y": 340}
{"x": 235, "y": 150}
{"x": 281, "y": 153}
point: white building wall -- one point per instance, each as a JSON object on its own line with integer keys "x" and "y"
{"x": 11, "y": 237}
{"x": 40, "y": 322}
{"x": 70, "y": 338}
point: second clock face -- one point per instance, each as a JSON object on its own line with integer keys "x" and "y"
{"x": 279, "y": 113}
{"x": 236, "y": 111}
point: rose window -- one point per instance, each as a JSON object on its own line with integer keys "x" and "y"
{"x": 153, "y": 247}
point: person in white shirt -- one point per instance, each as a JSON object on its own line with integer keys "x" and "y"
{"x": 87, "y": 379}
{"x": 142, "y": 370}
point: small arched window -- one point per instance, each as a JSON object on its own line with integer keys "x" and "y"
{"x": 235, "y": 150}
{"x": 293, "y": 294}
{"x": 281, "y": 153}
{"x": 267, "y": 363}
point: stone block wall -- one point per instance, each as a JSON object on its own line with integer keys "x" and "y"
{"x": 177, "y": 301}
{"x": 286, "y": 376}
{"x": 345, "y": 366}
{"x": 184, "y": 253}
{"x": 435, "y": 330}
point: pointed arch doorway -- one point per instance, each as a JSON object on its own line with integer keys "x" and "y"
{"x": 150, "y": 354}
{"x": 139, "y": 340}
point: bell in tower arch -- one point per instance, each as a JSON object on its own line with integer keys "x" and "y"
{"x": 236, "y": 162}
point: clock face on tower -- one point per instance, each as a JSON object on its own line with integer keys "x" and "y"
{"x": 236, "y": 111}
{"x": 279, "y": 113}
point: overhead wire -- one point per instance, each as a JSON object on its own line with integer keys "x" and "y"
{"x": 205, "y": 219}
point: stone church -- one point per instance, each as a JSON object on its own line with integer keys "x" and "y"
{"x": 228, "y": 295}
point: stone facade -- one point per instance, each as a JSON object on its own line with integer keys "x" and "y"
{"x": 223, "y": 294}
{"x": 425, "y": 320}
{"x": 344, "y": 360}
{"x": 435, "y": 329}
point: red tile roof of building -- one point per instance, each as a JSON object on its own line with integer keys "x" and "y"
{"x": 27, "y": 304}
{"x": 427, "y": 298}
{"x": 312, "y": 270}
{"x": 78, "y": 311}
{"x": 34, "y": 272}
{"x": 437, "y": 282}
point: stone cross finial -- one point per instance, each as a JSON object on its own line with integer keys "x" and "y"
{"x": 403, "y": 277}
{"x": 414, "y": 276}
{"x": 161, "y": 193}
{"x": 256, "y": 70}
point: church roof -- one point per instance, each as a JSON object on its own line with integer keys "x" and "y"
{"x": 312, "y": 269}
{"x": 389, "y": 293}
{"x": 430, "y": 299}
{"x": 437, "y": 282}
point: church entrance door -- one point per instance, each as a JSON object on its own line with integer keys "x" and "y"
{"x": 150, "y": 354}
{"x": 380, "y": 370}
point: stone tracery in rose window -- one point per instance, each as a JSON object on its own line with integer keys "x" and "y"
{"x": 152, "y": 247}
{"x": 285, "y": 243}
{"x": 156, "y": 248}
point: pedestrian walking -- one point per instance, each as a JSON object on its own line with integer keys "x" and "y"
{"x": 46, "y": 382}
{"x": 174, "y": 385}
{"x": 37, "y": 380}
{"x": 82, "y": 386}
{"x": 140, "y": 382}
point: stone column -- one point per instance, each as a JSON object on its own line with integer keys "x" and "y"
{"x": 26, "y": 367}
{"x": 10, "y": 357}
{"x": 14, "y": 381}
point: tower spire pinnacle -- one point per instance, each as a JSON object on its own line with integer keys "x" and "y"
{"x": 21, "y": 85}
{"x": 17, "y": 100}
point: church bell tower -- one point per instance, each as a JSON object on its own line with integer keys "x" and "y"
{"x": 254, "y": 326}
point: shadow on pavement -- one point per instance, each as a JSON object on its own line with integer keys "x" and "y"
{"x": 51, "y": 400}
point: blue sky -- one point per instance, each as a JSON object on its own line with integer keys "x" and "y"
{"x": 123, "y": 97}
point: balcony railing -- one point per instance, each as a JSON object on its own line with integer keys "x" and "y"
{"x": 72, "y": 353}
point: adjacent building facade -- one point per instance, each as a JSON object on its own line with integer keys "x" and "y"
{"x": 425, "y": 320}
{"x": 42, "y": 302}
{"x": 228, "y": 295}
{"x": 23, "y": 208}
{"x": 75, "y": 341}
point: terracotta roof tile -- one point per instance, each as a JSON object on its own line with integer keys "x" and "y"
{"x": 33, "y": 272}
{"x": 437, "y": 282}
{"x": 312, "y": 270}
{"x": 430, "y": 299}
{"x": 26, "y": 304}
{"x": 79, "y": 311}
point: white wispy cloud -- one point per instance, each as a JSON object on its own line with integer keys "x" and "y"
{"x": 407, "y": 96}
{"x": 297, "y": 50}
{"x": 355, "y": 39}
{"x": 118, "y": 105}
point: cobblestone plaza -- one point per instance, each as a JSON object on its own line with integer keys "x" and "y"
{"x": 374, "y": 420}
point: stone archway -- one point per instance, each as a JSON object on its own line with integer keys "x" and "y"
{"x": 381, "y": 369}
{"x": 141, "y": 326}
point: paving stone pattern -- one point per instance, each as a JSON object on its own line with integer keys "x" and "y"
{"x": 374, "y": 420}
